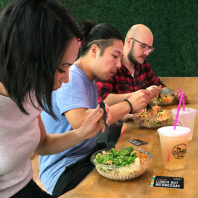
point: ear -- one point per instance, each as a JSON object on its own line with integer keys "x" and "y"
{"x": 128, "y": 42}
{"x": 95, "y": 50}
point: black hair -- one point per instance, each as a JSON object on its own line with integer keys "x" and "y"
{"x": 34, "y": 35}
{"x": 101, "y": 34}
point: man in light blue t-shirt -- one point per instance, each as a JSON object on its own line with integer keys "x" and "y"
{"x": 100, "y": 57}
{"x": 69, "y": 96}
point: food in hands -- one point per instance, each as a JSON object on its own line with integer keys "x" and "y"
{"x": 163, "y": 99}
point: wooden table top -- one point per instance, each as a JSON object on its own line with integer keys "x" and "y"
{"x": 95, "y": 185}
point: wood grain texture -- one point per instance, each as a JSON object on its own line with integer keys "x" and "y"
{"x": 95, "y": 185}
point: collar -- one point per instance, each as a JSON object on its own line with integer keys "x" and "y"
{"x": 135, "y": 71}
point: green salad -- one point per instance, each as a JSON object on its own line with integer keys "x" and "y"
{"x": 117, "y": 158}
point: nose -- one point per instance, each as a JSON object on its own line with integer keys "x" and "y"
{"x": 118, "y": 64}
{"x": 65, "y": 78}
{"x": 146, "y": 52}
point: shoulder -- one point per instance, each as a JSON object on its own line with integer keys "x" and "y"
{"x": 74, "y": 70}
{"x": 77, "y": 75}
{"x": 32, "y": 104}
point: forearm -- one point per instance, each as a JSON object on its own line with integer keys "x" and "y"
{"x": 118, "y": 111}
{"x": 113, "y": 99}
{"x": 54, "y": 143}
{"x": 57, "y": 143}
{"x": 79, "y": 114}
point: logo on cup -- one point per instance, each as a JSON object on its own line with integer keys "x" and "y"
{"x": 179, "y": 151}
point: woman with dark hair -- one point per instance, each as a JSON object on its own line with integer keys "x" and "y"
{"x": 38, "y": 44}
{"x": 100, "y": 57}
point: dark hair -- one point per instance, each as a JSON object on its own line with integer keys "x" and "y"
{"x": 34, "y": 35}
{"x": 101, "y": 34}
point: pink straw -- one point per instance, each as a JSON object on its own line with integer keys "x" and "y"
{"x": 180, "y": 101}
{"x": 183, "y": 99}
{"x": 175, "y": 124}
{"x": 168, "y": 157}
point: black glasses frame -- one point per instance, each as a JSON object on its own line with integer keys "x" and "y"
{"x": 145, "y": 46}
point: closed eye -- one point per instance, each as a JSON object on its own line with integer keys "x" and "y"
{"x": 61, "y": 71}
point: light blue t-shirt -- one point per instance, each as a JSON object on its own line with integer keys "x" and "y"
{"x": 80, "y": 92}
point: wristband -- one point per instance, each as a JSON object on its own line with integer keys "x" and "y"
{"x": 130, "y": 105}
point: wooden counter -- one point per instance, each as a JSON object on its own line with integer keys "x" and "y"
{"x": 95, "y": 185}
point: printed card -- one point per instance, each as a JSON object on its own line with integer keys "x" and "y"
{"x": 167, "y": 182}
{"x": 137, "y": 142}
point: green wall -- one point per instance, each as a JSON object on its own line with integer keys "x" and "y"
{"x": 174, "y": 24}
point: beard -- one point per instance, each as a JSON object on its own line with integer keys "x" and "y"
{"x": 132, "y": 59}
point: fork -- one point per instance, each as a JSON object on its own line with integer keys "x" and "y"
{"x": 143, "y": 86}
{"x": 160, "y": 92}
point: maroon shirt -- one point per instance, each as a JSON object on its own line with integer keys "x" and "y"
{"x": 122, "y": 82}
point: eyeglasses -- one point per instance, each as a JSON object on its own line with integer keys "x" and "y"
{"x": 145, "y": 46}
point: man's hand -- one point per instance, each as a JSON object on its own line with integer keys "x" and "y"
{"x": 177, "y": 96}
{"x": 154, "y": 91}
{"x": 139, "y": 99}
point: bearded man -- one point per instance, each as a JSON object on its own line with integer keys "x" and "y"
{"x": 135, "y": 72}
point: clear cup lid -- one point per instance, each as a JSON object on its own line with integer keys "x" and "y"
{"x": 187, "y": 111}
{"x": 169, "y": 131}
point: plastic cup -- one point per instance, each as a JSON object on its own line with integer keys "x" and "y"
{"x": 174, "y": 146}
{"x": 186, "y": 118}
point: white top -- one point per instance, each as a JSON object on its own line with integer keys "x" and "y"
{"x": 19, "y": 137}
{"x": 132, "y": 73}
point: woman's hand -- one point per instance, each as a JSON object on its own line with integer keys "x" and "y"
{"x": 94, "y": 123}
{"x": 56, "y": 143}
